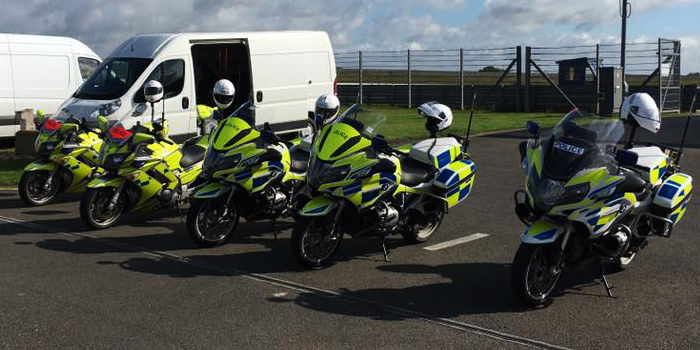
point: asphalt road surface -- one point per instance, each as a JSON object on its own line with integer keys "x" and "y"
{"x": 144, "y": 284}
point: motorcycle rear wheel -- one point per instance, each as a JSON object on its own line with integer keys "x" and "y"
{"x": 312, "y": 244}
{"x": 31, "y": 187}
{"x": 423, "y": 231}
{"x": 534, "y": 274}
{"x": 205, "y": 225}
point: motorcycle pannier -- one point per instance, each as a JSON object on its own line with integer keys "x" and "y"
{"x": 438, "y": 152}
{"x": 671, "y": 201}
{"x": 455, "y": 181}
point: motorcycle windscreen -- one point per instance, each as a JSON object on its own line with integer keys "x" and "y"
{"x": 350, "y": 133}
{"x": 578, "y": 142}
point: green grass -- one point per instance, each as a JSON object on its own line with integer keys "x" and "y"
{"x": 11, "y": 167}
{"x": 403, "y": 124}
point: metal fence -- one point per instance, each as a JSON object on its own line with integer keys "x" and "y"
{"x": 506, "y": 79}
{"x": 413, "y": 76}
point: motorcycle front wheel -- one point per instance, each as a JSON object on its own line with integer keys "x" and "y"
{"x": 211, "y": 222}
{"x": 313, "y": 240}
{"x": 32, "y": 187}
{"x": 535, "y": 273}
{"x": 95, "y": 210}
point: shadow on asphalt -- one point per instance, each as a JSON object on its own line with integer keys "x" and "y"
{"x": 11, "y": 200}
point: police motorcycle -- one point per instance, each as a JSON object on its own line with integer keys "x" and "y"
{"x": 364, "y": 187}
{"x": 145, "y": 169}
{"x": 251, "y": 174}
{"x": 588, "y": 203}
{"x": 68, "y": 151}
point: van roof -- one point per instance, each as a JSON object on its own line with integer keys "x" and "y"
{"x": 150, "y": 45}
{"x": 26, "y": 40}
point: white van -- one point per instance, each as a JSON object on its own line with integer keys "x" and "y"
{"x": 282, "y": 72}
{"x": 39, "y": 72}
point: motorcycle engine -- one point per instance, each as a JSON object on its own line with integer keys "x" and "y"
{"x": 272, "y": 201}
{"x": 388, "y": 216}
{"x": 614, "y": 244}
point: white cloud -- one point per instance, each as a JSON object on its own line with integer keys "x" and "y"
{"x": 357, "y": 24}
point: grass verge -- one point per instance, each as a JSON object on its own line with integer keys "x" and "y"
{"x": 11, "y": 167}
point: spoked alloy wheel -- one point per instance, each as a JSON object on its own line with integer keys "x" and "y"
{"x": 211, "y": 222}
{"x": 535, "y": 273}
{"x": 313, "y": 240}
{"x": 33, "y": 190}
{"x": 95, "y": 210}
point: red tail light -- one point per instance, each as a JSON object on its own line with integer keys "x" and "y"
{"x": 335, "y": 86}
{"x": 52, "y": 124}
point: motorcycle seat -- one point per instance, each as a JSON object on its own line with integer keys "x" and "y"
{"x": 300, "y": 160}
{"x": 191, "y": 155}
{"x": 633, "y": 182}
{"x": 414, "y": 172}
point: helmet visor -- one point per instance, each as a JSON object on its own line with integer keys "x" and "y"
{"x": 223, "y": 99}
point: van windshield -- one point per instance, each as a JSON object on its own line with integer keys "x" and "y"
{"x": 113, "y": 78}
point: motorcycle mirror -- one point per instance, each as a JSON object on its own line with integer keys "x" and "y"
{"x": 380, "y": 143}
{"x": 533, "y": 128}
{"x": 40, "y": 115}
{"x": 626, "y": 158}
{"x": 102, "y": 123}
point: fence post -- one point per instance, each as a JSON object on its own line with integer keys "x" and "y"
{"x": 661, "y": 73}
{"x": 408, "y": 61}
{"x": 518, "y": 72}
{"x": 461, "y": 78}
{"x": 597, "y": 79}
{"x": 528, "y": 51}
{"x": 359, "y": 68}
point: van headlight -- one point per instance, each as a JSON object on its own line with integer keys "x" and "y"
{"x": 109, "y": 108}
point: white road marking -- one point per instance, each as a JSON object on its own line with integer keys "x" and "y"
{"x": 339, "y": 296}
{"x": 454, "y": 242}
{"x": 279, "y": 295}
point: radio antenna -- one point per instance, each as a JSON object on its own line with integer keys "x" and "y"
{"x": 469, "y": 128}
{"x": 687, "y": 122}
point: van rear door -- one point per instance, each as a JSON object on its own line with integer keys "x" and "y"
{"x": 289, "y": 73}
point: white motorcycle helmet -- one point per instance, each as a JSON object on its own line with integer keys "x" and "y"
{"x": 153, "y": 91}
{"x": 223, "y": 93}
{"x": 327, "y": 107}
{"x": 642, "y": 109}
{"x": 438, "y": 116}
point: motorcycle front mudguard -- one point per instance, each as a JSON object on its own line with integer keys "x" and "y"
{"x": 542, "y": 231}
{"x": 106, "y": 181}
{"x": 40, "y": 165}
{"x": 319, "y": 206}
{"x": 212, "y": 190}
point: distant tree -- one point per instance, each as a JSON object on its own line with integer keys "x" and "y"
{"x": 696, "y": 74}
{"x": 490, "y": 69}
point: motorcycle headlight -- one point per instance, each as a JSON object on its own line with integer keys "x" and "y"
{"x": 551, "y": 193}
{"x": 323, "y": 173}
{"x": 228, "y": 162}
{"x": 113, "y": 161}
{"x": 45, "y": 148}
{"x": 574, "y": 194}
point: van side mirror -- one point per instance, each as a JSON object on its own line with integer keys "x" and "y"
{"x": 533, "y": 128}
{"x": 102, "y": 123}
{"x": 626, "y": 158}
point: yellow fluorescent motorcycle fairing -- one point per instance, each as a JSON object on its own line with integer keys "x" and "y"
{"x": 68, "y": 158}
{"x": 365, "y": 188}
{"x": 145, "y": 170}
{"x": 248, "y": 174}
{"x": 587, "y": 203}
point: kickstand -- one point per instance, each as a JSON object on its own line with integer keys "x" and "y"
{"x": 179, "y": 210}
{"x": 386, "y": 253}
{"x": 605, "y": 282}
{"x": 274, "y": 227}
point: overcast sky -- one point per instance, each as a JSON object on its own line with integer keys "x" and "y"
{"x": 369, "y": 24}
